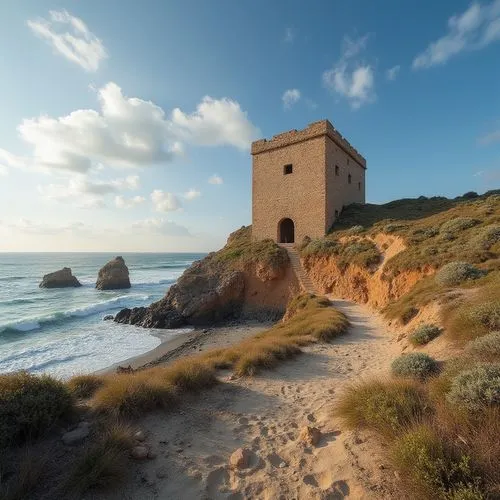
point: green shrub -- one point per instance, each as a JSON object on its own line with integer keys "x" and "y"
{"x": 393, "y": 227}
{"x": 486, "y": 347}
{"x": 476, "y": 388}
{"x": 29, "y": 405}
{"x": 415, "y": 364}
{"x": 431, "y": 469}
{"x": 486, "y": 314}
{"x": 485, "y": 238}
{"x": 321, "y": 247}
{"x": 424, "y": 334}
{"x": 387, "y": 407}
{"x": 457, "y": 225}
{"x": 454, "y": 273}
{"x": 357, "y": 229}
{"x": 363, "y": 253}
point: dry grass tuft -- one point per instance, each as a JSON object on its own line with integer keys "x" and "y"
{"x": 84, "y": 386}
{"x": 310, "y": 319}
{"x": 476, "y": 317}
{"x": 102, "y": 463}
{"x": 388, "y": 407}
{"x": 28, "y": 471}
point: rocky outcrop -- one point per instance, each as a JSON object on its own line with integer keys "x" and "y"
{"x": 60, "y": 279}
{"x": 204, "y": 294}
{"x": 221, "y": 287}
{"x": 113, "y": 276}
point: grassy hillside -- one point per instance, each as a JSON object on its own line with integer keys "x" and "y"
{"x": 440, "y": 422}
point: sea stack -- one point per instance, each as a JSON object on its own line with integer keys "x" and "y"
{"x": 113, "y": 276}
{"x": 60, "y": 279}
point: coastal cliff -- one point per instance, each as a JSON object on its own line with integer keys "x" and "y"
{"x": 243, "y": 279}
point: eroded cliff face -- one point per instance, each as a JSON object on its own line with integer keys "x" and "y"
{"x": 374, "y": 286}
{"x": 241, "y": 280}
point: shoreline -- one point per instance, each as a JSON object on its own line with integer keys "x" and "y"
{"x": 191, "y": 342}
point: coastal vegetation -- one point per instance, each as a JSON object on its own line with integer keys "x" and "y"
{"x": 112, "y": 399}
{"x": 441, "y": 426}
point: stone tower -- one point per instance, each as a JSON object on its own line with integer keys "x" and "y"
{"x": 301, "y": 180}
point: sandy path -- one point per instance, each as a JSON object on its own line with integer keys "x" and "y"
{"x": 265, "y": 414}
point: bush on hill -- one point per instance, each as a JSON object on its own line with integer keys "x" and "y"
{"x": 476, "y": 388}
{"x": 416, "y": 365}
{"x": 30, "y": 405}
{"x": 454, "y": 273}
{"x": 423, "y": 334}
{"x": 240, "y": 248}
{"x": 486, "y": 347}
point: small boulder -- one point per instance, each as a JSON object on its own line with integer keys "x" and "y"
{"x": 240, "y": 459}
{"x": 60, "y": 279}
{"x": 113, "y": 276}
{"x": 310, "y": 436}
{"x": 139, "y": 452}
{"x": 139, "y": 435}
{"x": 108, "y": 317}
{"x": 75, "y": 436}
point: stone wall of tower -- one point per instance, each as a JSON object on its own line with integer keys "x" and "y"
{"x": 313, "y": 194}
{"x": 300, "y": 196}
{"x": 339, "y": 191}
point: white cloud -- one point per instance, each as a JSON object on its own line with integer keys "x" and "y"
{"x": 290, "y": 97}
{"x": 162, "y": 226}
{"x": 165, "y": 202}
{"x": 128, "y": 132}
{"x": 215, "y": 179}
{"x": 215, "y": 123}
{"x": 123, "y": 202}
{"x": 70, "y": 37}
{"x": 473, "y": 29}
{"x": 289, "y": 35}
{"x": 86, "y": 193}
{"x": 392, "y": 73}
{"x": 192, "y": 194}
{"x": 352, "y": 80}
{"x": 28, "y": 226}
{"x": 3, "y": 170}
{"x": 490, "y": 138}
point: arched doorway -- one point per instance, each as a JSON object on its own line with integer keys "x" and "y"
{"x": 286, "y": 230}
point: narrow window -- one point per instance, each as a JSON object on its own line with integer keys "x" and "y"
{"x": 359, "y": 186}
{"x": 336, "y": 170}
{"x": 336, "y": 213}
{"x": 349, "y": 179}
{"x": 348, "y": 161}
{"x": 287, "y": 169}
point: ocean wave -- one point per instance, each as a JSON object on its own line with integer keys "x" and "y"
{"x": 31, "y": 324}
{"x": 14, "y": 302}
{"x": 12, "y": 278}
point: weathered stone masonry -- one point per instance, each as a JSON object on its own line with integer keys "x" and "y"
{"x": 305, "y": 177}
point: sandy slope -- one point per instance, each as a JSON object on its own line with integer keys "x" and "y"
{"x": 265, "y": 414}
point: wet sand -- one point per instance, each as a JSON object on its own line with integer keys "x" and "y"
{"x": 194, "y": 341}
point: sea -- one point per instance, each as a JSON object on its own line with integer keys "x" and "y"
{"x": 61, "y": 331}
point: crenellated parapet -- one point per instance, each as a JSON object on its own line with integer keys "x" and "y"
{"x": 316, "y": 129}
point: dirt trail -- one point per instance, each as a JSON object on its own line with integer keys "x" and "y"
{"x": 265, "y": 414}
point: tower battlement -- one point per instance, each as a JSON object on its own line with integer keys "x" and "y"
{"x": 315, "y": 129}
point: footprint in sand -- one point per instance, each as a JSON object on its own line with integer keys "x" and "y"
{"x": 217, "y": 481}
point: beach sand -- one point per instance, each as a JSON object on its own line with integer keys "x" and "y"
{"x": 265, "y": 414}
{"x": 196, "y": 340}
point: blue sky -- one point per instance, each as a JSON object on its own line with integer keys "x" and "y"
{"x": 126, "y": 126}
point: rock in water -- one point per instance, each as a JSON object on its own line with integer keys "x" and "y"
{"x": 113, "y": 276}
{"x": 60, "y": 279}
